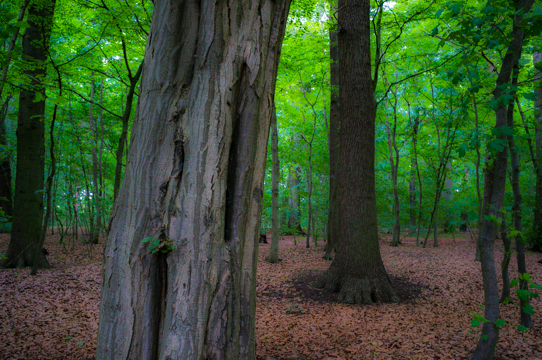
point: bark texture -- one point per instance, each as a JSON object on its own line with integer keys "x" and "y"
{"x": 357, "y": 272}
{"x": 194, "y": 178}
{"x": 30, "y": 170}
{"x": 333, "y": 143}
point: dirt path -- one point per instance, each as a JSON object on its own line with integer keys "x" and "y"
{"x": 55, "y": 315}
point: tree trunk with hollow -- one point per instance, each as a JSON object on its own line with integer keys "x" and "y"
{"x": 194, "y": 179}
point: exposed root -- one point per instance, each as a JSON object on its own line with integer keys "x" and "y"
{"x": 358, "y": 291}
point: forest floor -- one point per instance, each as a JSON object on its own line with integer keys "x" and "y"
{"x": 54, "y": 315}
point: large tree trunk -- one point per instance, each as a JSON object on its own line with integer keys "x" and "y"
{"x": 274, "y": 252}
{"x": 194, "y": 179}
{"x": 30, "y": 171}
{"x": 357, "y": 272}
{"x": 494, "y": 187}
{"x": 333, "y": 143}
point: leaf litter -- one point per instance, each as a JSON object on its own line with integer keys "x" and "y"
{"x": 54, "y": 315}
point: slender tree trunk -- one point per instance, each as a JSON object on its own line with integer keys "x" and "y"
{"x": 274, "y": 252}
{"x": 357, "y": 272}
{"x": 94, "y": 226}
{"x": 194, "y": 179}
{"x": 125, "y": 125}
{"x": 525, "y": 317}
{"x": 6, "y": 203}
{"x": 11, "y": 47}
{"x": 415, "y": 128}
{"x": 412, "y": 196}
{"x": 494, "y": 186}
{"x": 294, "y": 223}
{"x": 309, "y": 191}
{"x": 393, "y": 156}
{"x": 333, "y": 144}
{"x": 505, "y": 261}
{"x": 29, "y": 181}
{"x": 478, "y": 161}
{"x": 536, "y": 231}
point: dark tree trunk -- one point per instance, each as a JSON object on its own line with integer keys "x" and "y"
{"x": 6, "y": 204}
{"x": 30, "y": 171}
{"x": 124, "y": 134}
{"x": 333, "y": 143}
{"x": 412, "y": 195}
{"x": 274, "y": 251}
{"x": 294, "y": 220}
{"x": 525, "y": 318}
{"x": 505, "y": 261}
{"x": 194, "y": 178}
{"x": 536, "y": 231}
{"x": 357, "y": 272}
{"x": 494, "y": 187}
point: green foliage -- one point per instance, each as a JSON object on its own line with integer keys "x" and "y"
{"x": 159, "y": 246}
{"x": 294, "y": 309}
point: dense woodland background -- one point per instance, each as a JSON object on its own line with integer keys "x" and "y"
{"x": 437, "y": 64}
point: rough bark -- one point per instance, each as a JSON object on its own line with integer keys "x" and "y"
{"x": 194, "y": 177}
{"x": 478, "y": 161}
{"x": 30, "y": 171}
{"x": 494, "y": 186}
{"x": 274, "y": 251}
{"x": 357, "y": 272}
{"x": 333, "y": 144}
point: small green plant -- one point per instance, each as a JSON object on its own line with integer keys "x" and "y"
{"x": 158, "y": 245}
{"x": 294, "y": 309}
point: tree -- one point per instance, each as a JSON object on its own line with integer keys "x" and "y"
{"x": 357, "y": 272}
{"x": 193, "y": 181}
{"x": 29, "y": 180}
{"x": 494, "y": 187}
{"x": 274, "y": 251}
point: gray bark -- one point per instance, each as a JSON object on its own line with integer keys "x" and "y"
{"x": 194, "y": 178}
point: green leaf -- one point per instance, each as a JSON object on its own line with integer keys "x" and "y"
{"x": 536, "y": 286}
{"x": 514, "y": 282}
{"x": 485, "y": 337}
{"x": 147, "y": 239}
{"x": 80, "y": 343}
{"x": 522, "y": 328}
{"x": 23, "y": 25}
{"x": 507, "y": 301}
{"x": 500, "y": 323}
{"x": 475, "y": 322}
{"x": 439, "y": 12}
{"x": 528, "y": 309}
{"x": 531, "y": 96}
{"x": 523, "y": 294}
